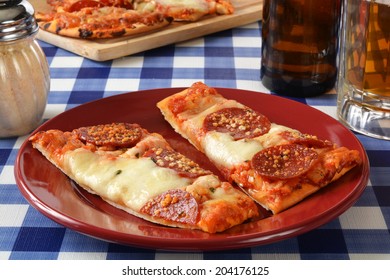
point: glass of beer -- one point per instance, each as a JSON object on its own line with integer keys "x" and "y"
{"x": 364, "y": 67}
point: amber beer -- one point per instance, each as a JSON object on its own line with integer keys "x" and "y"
{"x": 368, "y": 60}
{"x": 300, "y": 44}
{"x": 364, "y": 85}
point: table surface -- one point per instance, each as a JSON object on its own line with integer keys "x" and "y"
{"x": 228, "y": 59}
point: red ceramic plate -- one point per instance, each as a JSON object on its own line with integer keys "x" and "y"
{"x": 60, "y": 199}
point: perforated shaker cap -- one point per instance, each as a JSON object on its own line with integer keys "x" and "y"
{"x": 16, "y": 20}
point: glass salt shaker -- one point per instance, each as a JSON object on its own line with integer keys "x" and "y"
{"x": 24, "y": 71}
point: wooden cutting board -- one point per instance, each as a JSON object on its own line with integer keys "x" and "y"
{"x": 246, "y": 11}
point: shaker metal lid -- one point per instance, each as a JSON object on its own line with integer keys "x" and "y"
{"x": 16, "y": 20}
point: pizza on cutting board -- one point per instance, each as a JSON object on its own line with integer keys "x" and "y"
{"x": 93, "y": 19}
{"x": 140, "y": 173}
{"x": 276, "y": 165}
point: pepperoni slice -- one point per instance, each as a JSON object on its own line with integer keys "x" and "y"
{"x": 119, "y": 135}
{"x": 184, "y": 166}
{"x": 306, "y": 139}
{"x": 78, "y": 5}
{"x": 238, "y": 122}
{"x": 284, "y": 161}
{"x": 173, "y": 205}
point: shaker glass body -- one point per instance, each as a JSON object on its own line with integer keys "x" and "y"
{"x": 299, "y": 47}
{"x": 364, "y": 80}
{"x": 24, "y": 85}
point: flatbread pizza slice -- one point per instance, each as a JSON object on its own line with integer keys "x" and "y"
{"x": 140, "y": 173}
{"x": 276, "y": 165}
{"x": 76, "y": 5}
{"x": 100, "y": 22}
{"x": 103, "y": 19}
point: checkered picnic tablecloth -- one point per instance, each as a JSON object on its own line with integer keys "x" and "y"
{"x": 228, "y": 59}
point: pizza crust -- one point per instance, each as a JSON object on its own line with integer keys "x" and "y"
{"x": 76, "y": 32}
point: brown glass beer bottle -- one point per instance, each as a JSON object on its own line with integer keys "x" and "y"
{"x": 299, "y": 47}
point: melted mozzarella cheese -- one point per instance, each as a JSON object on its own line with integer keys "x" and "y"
{"x": 132, "y": 181}
{"x": 201, "y": 6}
{"x": 223, "y": 150}
{"x": 273, "y": 137}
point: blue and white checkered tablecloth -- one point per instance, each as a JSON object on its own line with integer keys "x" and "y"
{"x": 226, "y": 59}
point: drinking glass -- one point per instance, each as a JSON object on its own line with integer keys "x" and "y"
{"x": 364, "y": 67}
